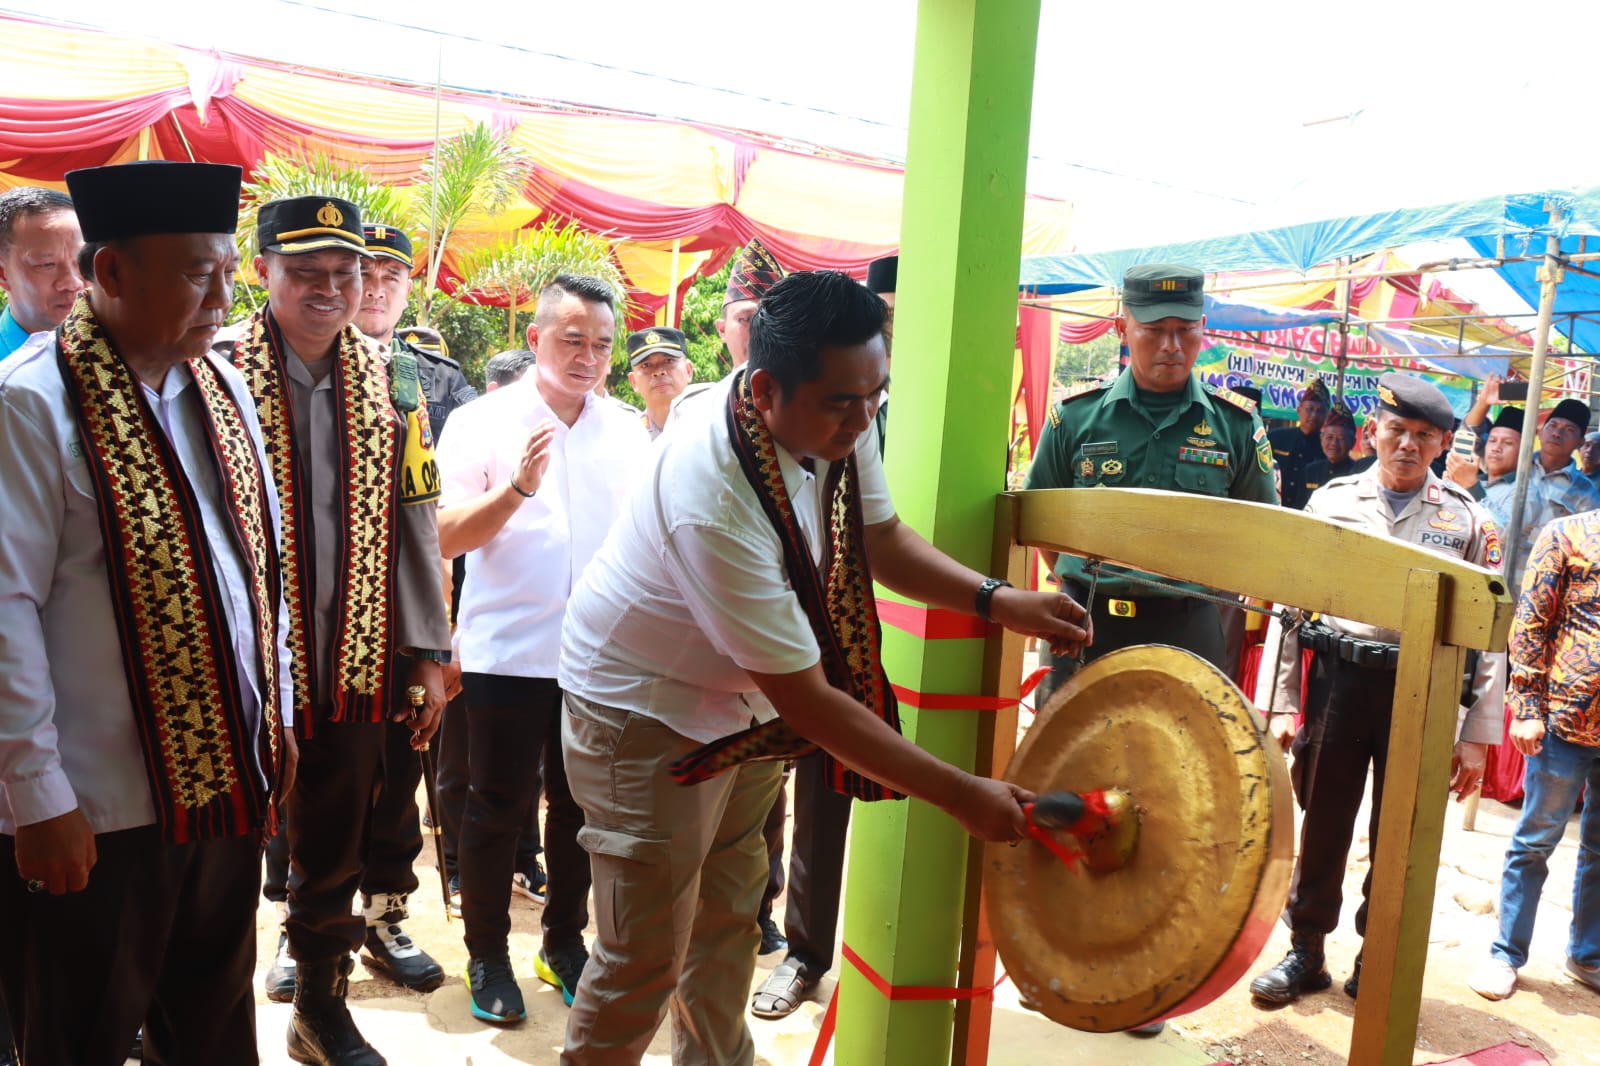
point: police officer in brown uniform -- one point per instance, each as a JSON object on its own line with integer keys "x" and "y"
{"x": 1351, "y": 688}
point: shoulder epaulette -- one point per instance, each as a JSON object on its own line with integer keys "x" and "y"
{"x": 1457, "y": 490}
{"x": 1084, "y": 388}
{"x": 1243, "y": 403}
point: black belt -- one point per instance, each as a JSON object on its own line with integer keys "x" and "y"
{"x": 1374, "y": 654}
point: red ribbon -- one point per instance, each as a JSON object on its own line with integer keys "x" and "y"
{"x": 830, "y": 1017}
{"x": 931, "y": 623}
{"x": 1096, "y": 813}
{"x": 955, "y": 701}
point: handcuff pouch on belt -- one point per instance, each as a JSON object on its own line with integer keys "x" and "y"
{"x": 1373, "y": 654}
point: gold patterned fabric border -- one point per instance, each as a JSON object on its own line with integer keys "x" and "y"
{"x": 173, "y": 626}
{"x": 370, "y": 437}
{"x": 841, "y": 609}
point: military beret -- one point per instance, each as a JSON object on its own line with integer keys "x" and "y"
{"x": 304, "y": 224}
{"x": 1574, "y": 411}
{"x": 883, "y": 273}
{"x": 646, "y": 342}
{"x": 388, "y": 242}
{"x": 1155, "y": 291}
{"x": 1508, "y": 418}
{"x": 155, "y": 196}
{"x": 1411, "y": 397}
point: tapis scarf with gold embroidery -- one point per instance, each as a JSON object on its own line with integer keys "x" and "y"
{"x": 170, "y": 617}
{"x": 369, "y": 436}
{"x": 837, "y": 599}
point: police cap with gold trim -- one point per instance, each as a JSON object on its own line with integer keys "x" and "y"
{"x": 138, "y": 199}
{"x": 646, "y": 342}
{"x": 386, "y": 242}
{"x": 1411, "y": 397}
{"x": 304, "y": 224}
{"x": 1153, "y": 291}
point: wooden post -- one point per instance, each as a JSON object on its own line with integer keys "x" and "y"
{"x": 961, "y": 242}
{"x": 1410, "y": 830}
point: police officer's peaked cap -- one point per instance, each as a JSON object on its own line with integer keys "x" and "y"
{"x": 1508, "y": 418}
{"x": 386, "y": 242}
{"x": 304, "y": 224}
{"x": 1574, "y": 411}
{"x": 138, "y": 199}
{"x": 1155, "y": 291}
{"x": 883, "y": 274}
{"x": 1411, "y": 397}
{"x": 646, "y": 342}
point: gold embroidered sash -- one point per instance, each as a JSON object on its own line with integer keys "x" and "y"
{"x": 176, "y": 649}
{"x": 369, "y": 435}
{"x": 837, "y": 600}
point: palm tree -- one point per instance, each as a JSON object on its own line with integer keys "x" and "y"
{"x": 317, "y": 174}
{"x": 478, "y": 170}
{"x": 515, "y": 268}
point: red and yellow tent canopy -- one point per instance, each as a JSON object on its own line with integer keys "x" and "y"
{"x": 74, "y": 98}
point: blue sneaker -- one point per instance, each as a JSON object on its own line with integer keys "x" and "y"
{"x": 495, "y": 995}
{"x": 562, "y": 967}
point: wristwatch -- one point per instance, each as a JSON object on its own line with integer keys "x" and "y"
{"x": 986, "y": 594}
{"x": 429, "y": 654}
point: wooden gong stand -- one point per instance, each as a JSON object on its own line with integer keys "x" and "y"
{"x": 1442, "y": 608}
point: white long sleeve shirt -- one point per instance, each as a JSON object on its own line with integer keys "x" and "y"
{"x": 68, "y": 737}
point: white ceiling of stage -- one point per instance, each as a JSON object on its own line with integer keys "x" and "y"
{"x": 1169, "y": 120}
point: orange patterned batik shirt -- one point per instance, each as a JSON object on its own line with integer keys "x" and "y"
{"x": 1555, "y": 641}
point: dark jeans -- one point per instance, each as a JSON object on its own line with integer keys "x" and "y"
{"x": 1346, "y": 730}
{"x": 816, "y": 867}
{"x": 451, "y": 743}
{"x": 163, "y": 937}
{"x": 514, "y": 724}
{"x": 330, "y": 823}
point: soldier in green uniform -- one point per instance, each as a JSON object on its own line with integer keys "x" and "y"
{"x": 1155, "y": 426}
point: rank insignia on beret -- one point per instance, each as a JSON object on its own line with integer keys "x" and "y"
{"x": 1203, "y": 429}
{"x": 380, "y": 232}
{"x": 652, "y": 337}
{"x": 329, "y": 215}
{"x": 1491, "y": 542}
{"x": 1264, "y": 456}
{"x": 1386, "y": 395}
{"x": 1086, "y": 468}
{"x": 1111, "y": 468}
{"x": 1170, "y": 285}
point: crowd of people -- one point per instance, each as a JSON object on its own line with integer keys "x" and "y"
{"x": 253, "y": 578}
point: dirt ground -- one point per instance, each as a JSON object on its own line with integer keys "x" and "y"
{"x": 1550, "y": 1012}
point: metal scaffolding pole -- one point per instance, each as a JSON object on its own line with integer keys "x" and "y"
{"x": 1550, "y": 275}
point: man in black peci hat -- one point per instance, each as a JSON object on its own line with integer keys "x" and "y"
{"x": 145, "y": 673}
{"x": 1350, "y": 689}
{"x": 352, "y": 455}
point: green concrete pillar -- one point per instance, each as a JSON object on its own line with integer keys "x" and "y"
{"x": 955, "y": 328}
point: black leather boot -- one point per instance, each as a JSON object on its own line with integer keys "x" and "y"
{"x": 1302, "y": 970}
{"x": 322, "y": 1032}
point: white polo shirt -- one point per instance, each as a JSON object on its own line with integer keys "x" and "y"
{"x": 517, "y": 585}
{"x": 689, "y": 592}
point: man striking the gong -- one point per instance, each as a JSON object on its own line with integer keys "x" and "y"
{"x": 736, "y": 588}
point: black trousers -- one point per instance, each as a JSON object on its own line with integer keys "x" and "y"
{"x": 1348, "y": 709}
{"x": 816, "y": 867}
{"x": 396, "y": 822}
{"x": 1189, "y": 623}
{"x": 163, "y": 937}
{"x": 772, "y": 833}
{"x": 514, "y": 725}
{"x": 452, "y": 775}
{"x": 330, "y": 823}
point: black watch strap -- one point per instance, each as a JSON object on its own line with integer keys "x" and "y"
{"x": 986, "y": 595}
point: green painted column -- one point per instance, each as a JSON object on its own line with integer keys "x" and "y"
{"x": 955, "y": 328}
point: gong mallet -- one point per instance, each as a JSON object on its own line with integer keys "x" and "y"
{"x": 1105, "y": 823}
{"x": 418, "y": 695}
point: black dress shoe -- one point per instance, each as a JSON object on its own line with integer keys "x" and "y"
{"x": 1301, "y": 971}
{"x": 772, "y": 939}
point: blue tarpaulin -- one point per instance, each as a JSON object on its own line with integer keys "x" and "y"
{"x": 1522, "y": 220}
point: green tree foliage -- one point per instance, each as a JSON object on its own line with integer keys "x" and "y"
{"x": 702, "y": 306}
{"x": 316, "y": 174}
{"x": 1081, "y": 362}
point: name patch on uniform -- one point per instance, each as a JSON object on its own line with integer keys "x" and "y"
{"x": 1100, "y": 447}
{"x": 1111, "y": 468}
{"x": 1443, "y": 540}
{"x": 1207, "y": 456}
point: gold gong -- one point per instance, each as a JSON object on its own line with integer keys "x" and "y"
{"x": 1189, "y": 913}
